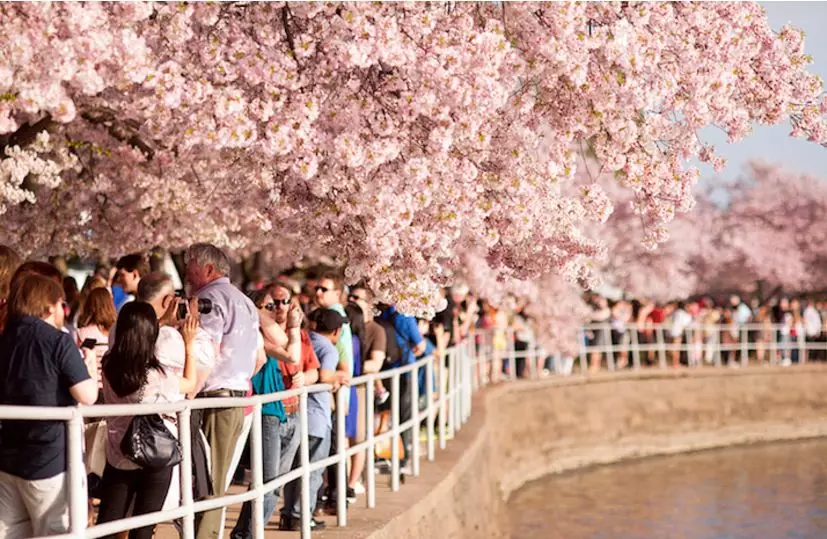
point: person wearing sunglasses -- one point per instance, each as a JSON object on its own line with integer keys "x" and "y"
{"x": 266, "y": 381}
{"x": 329, "y": 296}
{"x": 295, "y": 376}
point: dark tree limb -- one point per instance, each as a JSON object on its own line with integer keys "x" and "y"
{"x": 124, "y": 131}
{"x": 24, "y": 135}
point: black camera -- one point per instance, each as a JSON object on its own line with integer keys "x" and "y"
{"x": 204, "y": 307}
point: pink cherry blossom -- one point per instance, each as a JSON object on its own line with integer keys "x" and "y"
{"x": 393, "y": 137}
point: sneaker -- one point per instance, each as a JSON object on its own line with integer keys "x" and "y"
{"x": 351, "y": 495}
{"x": 359, "y": 489}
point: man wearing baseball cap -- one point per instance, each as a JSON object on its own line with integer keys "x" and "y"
{"x": 326, "y": 329}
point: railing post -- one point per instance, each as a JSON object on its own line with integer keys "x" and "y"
{"x": 610, "y": 353}
{"x": 802, "y": 345}
{"x": 76, "y": 475}
{"x": 257, "y": 464}
{"x": 441, "y": 403}
{"x": 584, "y": 353}
{"x": 661, "y": 346}
{"x": 774, "y": 345}
{"x": 635, "y": 348}
{"x": 304, "y": 459}
{"x": 717, "y": 341}
{"x": 456, "y": 394}
{"x": 532, "y": 359}
{"x": 744, "y": 333}
{"x": 370, "y": 464}
{"x": 429, "y": 392}
{"x": 469, "y": 390}
{"x": 414, "y": 457}
{"x": 475, "y": 370}
{"x": 341, "y": 455}
{"x": 395, "y": 431}
{"x": 512, "y": 355}
{"x": 185, "y": 472}
{"x": 449, "y": 395}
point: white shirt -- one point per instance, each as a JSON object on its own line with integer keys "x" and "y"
{"x": 742, "y": 314}
{"x": 233, "y": 325}
{"x": 812, "y": 322}
{"x": 680, "y": 321}
{"x": 171, "y": 352}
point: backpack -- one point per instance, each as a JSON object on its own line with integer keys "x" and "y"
{"x": 393, "y": 352}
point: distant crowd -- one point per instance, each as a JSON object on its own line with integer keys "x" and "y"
{"x": 694, "y": 331}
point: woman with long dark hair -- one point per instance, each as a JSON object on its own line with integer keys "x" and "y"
{"x": 132, "y": 374}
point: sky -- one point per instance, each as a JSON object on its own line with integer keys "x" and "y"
{"x": 773, "y": 144}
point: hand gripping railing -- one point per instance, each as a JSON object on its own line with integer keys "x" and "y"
{"x": 447, "y": 407}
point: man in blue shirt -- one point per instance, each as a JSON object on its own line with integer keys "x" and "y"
{"x": 326, "y": 325}
{"x": 412, "y": 344}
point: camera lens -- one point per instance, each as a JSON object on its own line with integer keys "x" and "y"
{"x": 204, "y": 305}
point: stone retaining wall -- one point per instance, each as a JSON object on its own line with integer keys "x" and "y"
{"x": 522, "y": 431}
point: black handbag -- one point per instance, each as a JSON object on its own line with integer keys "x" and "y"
{"x": 149, "y": 443}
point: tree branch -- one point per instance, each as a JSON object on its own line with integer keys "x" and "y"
{"x": 285, "y": 11}
{"x": 124, "y": 131}
{"x": 25, "y": 134}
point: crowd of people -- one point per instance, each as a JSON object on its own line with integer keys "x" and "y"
{"x": 692, "y": 332}
{"x": 127, "y": 336}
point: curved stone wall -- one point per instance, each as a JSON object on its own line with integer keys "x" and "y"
{"x": 522, "y": 431}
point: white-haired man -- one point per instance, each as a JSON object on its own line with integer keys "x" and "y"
{"x": 233, "y": 324}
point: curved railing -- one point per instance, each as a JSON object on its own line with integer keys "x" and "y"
{"x": 698, "y": 344}
{"x": 447, "y": 408}
{"x": 467, "y": 368}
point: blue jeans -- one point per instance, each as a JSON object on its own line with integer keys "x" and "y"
{"x": 319, "y": 449}
{"x": 272, "y": 440}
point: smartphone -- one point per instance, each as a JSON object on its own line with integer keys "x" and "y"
{"x": 89, "y": 344}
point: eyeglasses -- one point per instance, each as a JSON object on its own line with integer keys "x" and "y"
{"x": 278, "y": 302}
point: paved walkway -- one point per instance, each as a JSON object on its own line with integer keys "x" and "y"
{"x": 361, "y": 520}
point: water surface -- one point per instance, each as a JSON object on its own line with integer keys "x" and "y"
{"x": 760, "y": 492}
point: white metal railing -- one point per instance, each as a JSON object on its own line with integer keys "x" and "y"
{"x": 465, "y": 371}
{"x": 697, "y": 344}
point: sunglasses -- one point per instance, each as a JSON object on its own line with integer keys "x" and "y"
{"x": 322, "y": 289}
{"x": 269, "y": 306}
{"x": 278, "y": 302}
{"x": 354, "y": 297}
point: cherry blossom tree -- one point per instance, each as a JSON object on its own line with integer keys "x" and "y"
{"x": 772, "y": 230}
{"x": 391, "y": 136}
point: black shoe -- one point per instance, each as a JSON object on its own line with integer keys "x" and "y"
{"x": 286, "y": 522}
{"x": 292, "y": 524}
{"x": 351, "y": 495}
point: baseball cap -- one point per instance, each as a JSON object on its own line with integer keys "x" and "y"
{"x": 327, "y": 320}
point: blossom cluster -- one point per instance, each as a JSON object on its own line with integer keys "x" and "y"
{"x": 394, "y": 137}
